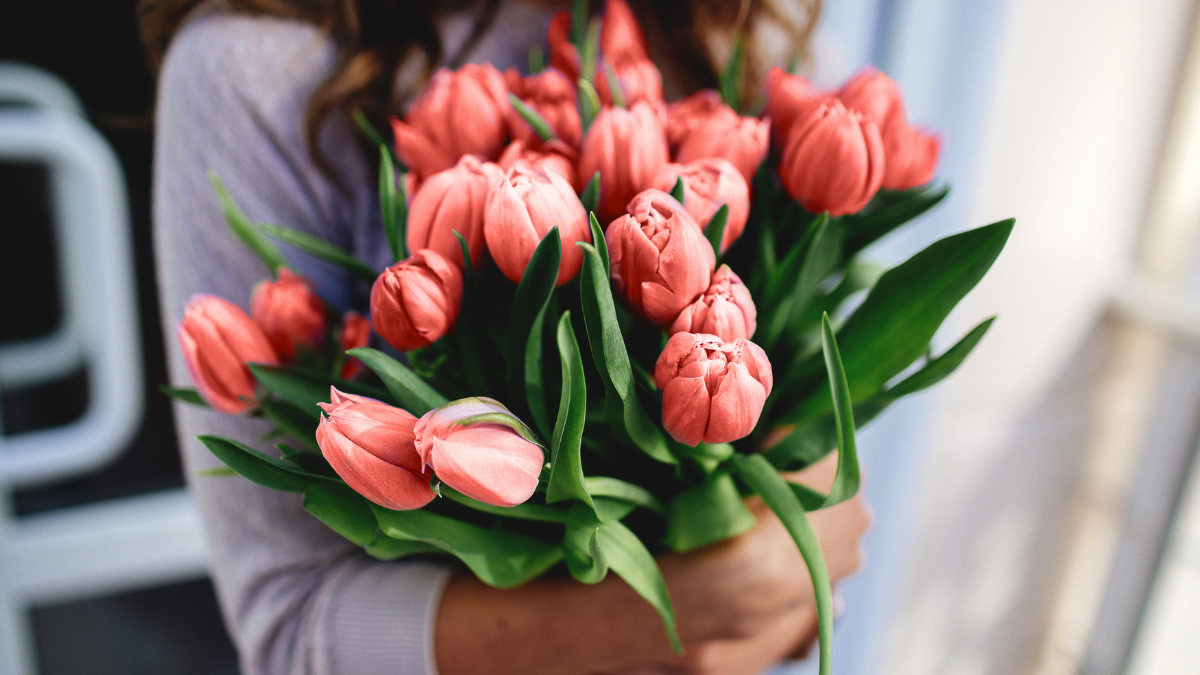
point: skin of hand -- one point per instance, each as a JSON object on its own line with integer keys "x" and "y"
{"x": 742, "y": 605}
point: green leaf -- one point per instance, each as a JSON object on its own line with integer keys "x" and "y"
{"x": 599, "y": 242}
{"x": 589, "y": 54}
{"x": 535, "y": 61}
{"x": 793, "y": 287}
{"x": 888, "y": 211}
{"x": 258, "y": 467}
{"x": 677, "y": 190}
{"x": 413, "y": 393}
{"x": 614, "y": 488}
{"x": 614, "y": 85}
{"x": 217, "y": 472}
{"x": 583, "y": 551}
{"x": 579, "y": 22}
{"x": 189, "y": 396}
{"x": 608, "y": 350}
{"x": 311, "y": 461}
{"x": 845, "y": 482}
{"x": 533, "y": 294}
{"x": 779, "y": 497}
{"x": 319, "y": 248}
{"x": 591, "y": 194}
{"x": 467, "y": 330}
{"x": 894, "y": 325}
{"x": 343, "y": 510}
{"x": 293, "y": 420}
{"x": 589, "y": 103}
{"x": 369, "y": 130}
{"x": 304, "y": 388}
{"x": 716, "y": 229}
{"x": 497, "y": 557}
{"x": 730, "y": 81}
{"x": 707, "y": 513}
{"x": 393, "y": 205}
{"x": 566, "y": 467}
{"x": 937, "y": 369}
{"x": 537, "y": 512}
{"x": 387, "y": 548}
{"x": 244, "y": 230}
{"x": 540, "y": 126}
{"x": 535, "y": 394}
{"x": 628, "y": 557}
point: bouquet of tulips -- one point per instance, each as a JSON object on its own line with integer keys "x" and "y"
{"x": 611, "y": 318}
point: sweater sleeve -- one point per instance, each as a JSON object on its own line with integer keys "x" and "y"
{"x": 296, "y": 597}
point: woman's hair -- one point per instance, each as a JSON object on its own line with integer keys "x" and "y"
{"x": 376, "y": 37}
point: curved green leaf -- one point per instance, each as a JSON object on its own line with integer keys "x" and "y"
{"x": 319, "y": 248}
{"x": 614, "y": 488}
{"x": 677, "y": 190}
{"x": 259, "y": 467}
{"x": 393, "y": 205}
{"x": 707, "y": 513}
{"x": 628, "y": 557}
{"x": 533, "y": 294}
{"x": 244, "y": 230}
{"x": 845, "y": 482}
{"x": 189, "y": 396}
{"x": 566, "y": 467}
{"x": 387, "y": 548}
{"x": 535, "y": 384}
{"x": 304, "y": 388}
{"x": 590, "y": 198}
{"x": 715, "y": 229}
{"x": 537, "y": 512}
{"x": 888, "y": 211}
{"x": 540, "y": 126}
{"x": 343, "y": 510}
{"x": 414, "y": 394}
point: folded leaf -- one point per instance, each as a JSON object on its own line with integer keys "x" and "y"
{"x": 628, "y": 557}
{"x": 535, "y": 385}
{"x": 242, "y": 228}
{"x": 801, "y": 272}
{"x": 410, "y": 391}
{"x": 583, "y": 551}
{"x": 297, "y": 423}
{"x": 259, "y": 467}
{"x": 707, "y": 513}
{"x": 614, "y": 488}
{"x": 189, "y": 396}
{"x": 590, "y": 197}
{"x": 393, "y": 205}
{"x": 566, "y": 466}
{"x": 888, "y": 211}
{"x": 467, "y": 329}
{"x": 305, "y": 388}
{"x": 343, "y": 510}
{"x": 387, "y": 548}
{"x": 319, "y": 248}
{"x": 533, "y": 294}
{"x": 845, "y": 482}
{"x": 540, "y": 126}
{"x": 537, "y": 512}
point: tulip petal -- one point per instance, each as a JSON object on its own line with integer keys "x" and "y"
{"x": 488, "y": 462}
{"x": 686, "y": 405}
{"x": 389, "y": 486}
{"x": 736, "y": 405}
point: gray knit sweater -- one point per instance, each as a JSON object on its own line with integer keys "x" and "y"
{"x": 296, "y": 597}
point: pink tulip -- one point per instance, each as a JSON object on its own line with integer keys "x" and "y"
{"x": 552, "y": 157}
{"x": 290, "y": 313}
{"x": 355, "y": 333}
{"x": 833, "y": 160}
{"x": 463, "y": 112}
{"x": 628, "y": 148}
{"x": 639, "y": 81}
{"x": 788, "y": 97}
{"x": 563, "y": 56}
{"x": 659, "y": 258}
{"x": 621, "y": 39}
{"x": 713, "y": 391}
{"x": 707, "y": 185}
{"x": 449, "y": 201}
{"x": 911, "y": 153}
{"x": 725, "y": 310}
{"x": 416, "y": 301}
{"x": 552, "y": 96}
{"x": 688, "y": 113}
{"x": 218, "y": 340}
{"x": 522, "y": 209}
{"x": 744, "y": 141}
{"x": 492, "y": 459}
{"x": 369, "y": 444}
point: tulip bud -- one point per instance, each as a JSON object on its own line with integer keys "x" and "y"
{"x": 290, "y": 313}
{"x": 659, "y": 258}
{"x": 453, "y": 200}
{"x": 476, "y": 446}
{"x": 522, "y": 209}
{"x": 463, "y": 112}
{"x": 218, "y": 340}
{"x": 621, "y": 39}
{"x": 552, "y": 96}
{"x": 833, "y": 160}
{"x": 744, "y": 141}
{"x": 725, "y": 310}
{"x": 552, "y": 157}
{"x": 639, "y": 81}
{"x": 355, "y": 333}
{"x": 628, "y": 148}
{"x": 707, "y": 184}
{"x": 685, "y": 115}
{"x": 369, "y": 444}
{"x": 789, "y": 97}
{"x": 713, "y": 391}
{"x": 416, "y": 301}
{"x": 911, "y": 154}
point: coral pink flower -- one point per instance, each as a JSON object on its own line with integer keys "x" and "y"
{"x": 788, "y": 98}
{"x": 552, "y": 96}
{"x": 725, "y": 310}
{"x": 290, "y": 314}
{"x": 659, "y": 258}
{"x": 911, "y": 154}
{"x": 833, "y": 160}
{"x": 463, "y": 112}
{"x": 628, "y": 148}
{"x": 744, "y": 141}
{"x": 707, "y": 184}
{"x": 520, "y": 211}
{"x": 453, "y": 200}
{"x": 552, "y": 157}
{"x": 621, "y": 39}
{"x": 370, "y": 446}
{"x": 713, "y": 391}
{"x": 688, "y": 113}
{"x": 639, "y": 80}
{"x": 218, "y": 340}
{"x": 355, "y": 333}
{"x": 416, "y": 301}
{"x": 476, "y": 446}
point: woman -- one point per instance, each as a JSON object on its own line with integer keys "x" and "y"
{"x": 257, "y": 90}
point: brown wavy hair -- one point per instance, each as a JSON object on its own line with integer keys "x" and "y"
{"x": 376, "y": 37}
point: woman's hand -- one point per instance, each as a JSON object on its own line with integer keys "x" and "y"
{"x": 742, "y": 604}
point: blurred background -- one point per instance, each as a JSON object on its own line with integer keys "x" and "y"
{"x": 1037, "y": 513}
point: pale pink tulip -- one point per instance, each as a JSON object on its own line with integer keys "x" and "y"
{"x": 476, "y": 446}
{"x": 707, "y": 185}
{"x": 370, "y": 445}
{"x": 713, "y": 391}
{"x": 290, "y": 313}
{"x": 218, "y": 339}
{"x": 725, "y": 310}
{"x": 449, "y": 201}
{"x": 416, "y": 301}
{"x": 520, "y": 211}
